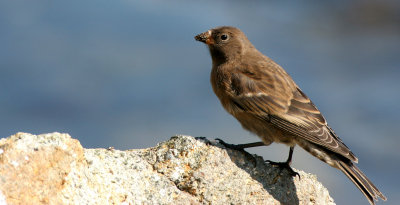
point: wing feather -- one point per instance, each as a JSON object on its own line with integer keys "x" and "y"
{"x": 277, "y": 99}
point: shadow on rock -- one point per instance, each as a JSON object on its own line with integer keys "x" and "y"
{"x": 275, "y": 181}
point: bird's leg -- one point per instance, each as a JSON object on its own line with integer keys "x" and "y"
{"x": 240, "y": 147}
{"x": 286, "y": 165}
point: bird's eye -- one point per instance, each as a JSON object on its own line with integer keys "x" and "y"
{"x": 224, "y": 37}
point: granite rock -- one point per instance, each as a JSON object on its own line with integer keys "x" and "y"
{"x": 55, "y": 169}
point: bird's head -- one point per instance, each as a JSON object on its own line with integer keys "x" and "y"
{"x": 225, "y": 43}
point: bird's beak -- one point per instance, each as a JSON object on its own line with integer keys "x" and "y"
{"x": 205, "y": 38}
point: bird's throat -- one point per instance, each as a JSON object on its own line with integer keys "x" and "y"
{"x": 217, "y": 56}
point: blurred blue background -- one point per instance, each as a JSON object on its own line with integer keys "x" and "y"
{"x": 129, "y": 74}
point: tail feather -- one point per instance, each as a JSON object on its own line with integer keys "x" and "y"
{"x": 361, "y": 181}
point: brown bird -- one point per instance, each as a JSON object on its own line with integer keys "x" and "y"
{"x": 267, "y": 102}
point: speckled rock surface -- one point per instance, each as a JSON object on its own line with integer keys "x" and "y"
{"x": 55, "y": 169}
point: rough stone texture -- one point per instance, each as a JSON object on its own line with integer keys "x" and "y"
{"x": 55, "y": 169}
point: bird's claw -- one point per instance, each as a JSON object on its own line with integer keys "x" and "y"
{"x": 204, "y": 139}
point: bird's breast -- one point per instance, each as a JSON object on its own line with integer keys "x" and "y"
{"x": 221, "y": 81}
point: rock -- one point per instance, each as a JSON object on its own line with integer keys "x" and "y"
{"x": 55, "y": 169}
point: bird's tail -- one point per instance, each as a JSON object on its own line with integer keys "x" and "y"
{"x": 361, "y": 181}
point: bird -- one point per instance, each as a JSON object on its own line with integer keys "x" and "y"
{"x": 266, "y": 101}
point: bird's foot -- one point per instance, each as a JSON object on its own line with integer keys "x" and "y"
{"x": 284, "y": 165}
{"x": 230, "y": 146}
{"x": 204, "y": 139}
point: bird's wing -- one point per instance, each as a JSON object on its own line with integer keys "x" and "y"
{"x": 303, "y": 119}
{"x": 272, "y": 95}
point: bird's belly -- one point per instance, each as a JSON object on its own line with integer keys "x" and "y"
{"x": 263, "y": 129}
{"x": 260, "y": 127}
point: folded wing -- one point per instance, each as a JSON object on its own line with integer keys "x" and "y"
{"x": 274, "y": 96}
